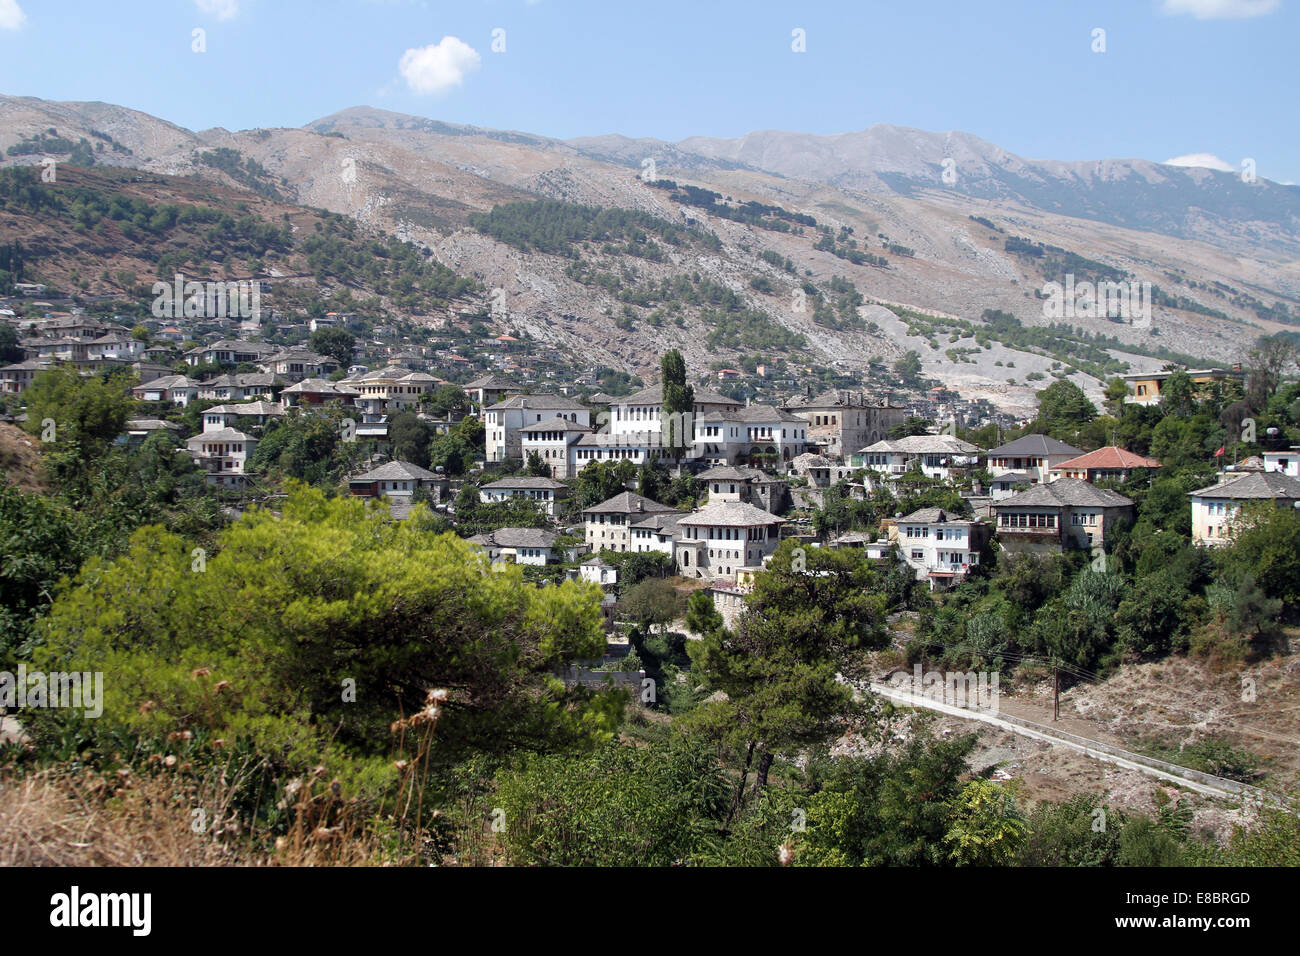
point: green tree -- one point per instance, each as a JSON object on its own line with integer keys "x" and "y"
{"x": 908, "y": 368}
{"x": 1064, "y": 406}
{"x": 410, "y": 436}
{"x": 309, "y": 632}
{"x": 338, "y": 344}
{"x": 778, "y": 667}
{"x": 678, "y": 403}
{"x": 650, "y": 603}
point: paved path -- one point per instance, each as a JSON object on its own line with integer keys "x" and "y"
{"x": 1192, "y": 780}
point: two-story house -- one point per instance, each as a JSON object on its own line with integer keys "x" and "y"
{"x": 1060, "y": 515}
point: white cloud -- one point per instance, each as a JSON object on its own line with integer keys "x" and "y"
{"x": 1208, "y": 160}
{"x": 11, "y": 15}
{"x": 1222, "y": 9}
{"x": 221, "y": 9}
{"x": 438, "y": 67}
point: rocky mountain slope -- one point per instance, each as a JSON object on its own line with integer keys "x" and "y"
{"x": 1220, "y": 251}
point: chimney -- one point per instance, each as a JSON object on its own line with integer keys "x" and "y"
{"x": 640, "y": 505}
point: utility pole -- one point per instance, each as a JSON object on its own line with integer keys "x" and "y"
{"x": 1056, "y": 693}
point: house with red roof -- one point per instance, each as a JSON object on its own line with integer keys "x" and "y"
{"x": 1109, "y": 463}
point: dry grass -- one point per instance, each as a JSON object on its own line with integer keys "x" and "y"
{"x": 64, "y": 818}
{"x": 20, "y": 459}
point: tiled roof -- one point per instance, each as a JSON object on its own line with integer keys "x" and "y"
{"x": 1110, "y": 457}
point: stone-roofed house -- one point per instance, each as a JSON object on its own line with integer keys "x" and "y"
{"x": 935, "y": 456}
{"x": 719, "y": 540}
{"x": 297, "y": 364}
{"x": 1007, "y": 483}
{"x": 535, "y": 546}
{"x": 545, "y": 493}
{"x": 940, "y": 546}
{"x": 553, "y": 441}
{"x": 15, "y": 378}
{"x": 608, "y": 524}
{"x": 841, "y": 421}
{"x": 637, "y": 417}
{"x": 220, "y": 416}
{"x": 312, "y": 392}
{"x": 742, "y": 483}
{"x": 595, "y": 570}
{"x": 231, "y": 352}
{"x": 1111, "y": 463}
{"x": 655, "y": 532}
{"x": 242, "y": 387}
{"x": 1063, "y": 514}
{"x": 490, "y": 388}
{"x": 170, "y": 390}
{"x": 752, "y": 434}
{"x": 502, "y": 422}
{"x": 1216, "y": 507}
{"x": 223, "y": 454}
{"x": 1035, "y": 454}
{"x": 399, "y": 481}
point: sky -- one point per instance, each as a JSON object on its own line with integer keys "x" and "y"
{"x": 1213, "y": 80}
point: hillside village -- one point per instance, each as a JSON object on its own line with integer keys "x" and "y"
{"x": 751, "y": 475}
{"x": 530, "y": 509}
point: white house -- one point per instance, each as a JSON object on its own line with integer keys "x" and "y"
{"x": 720, "y": 539}
{"x": 171, "y": 389}
{"x": 608, "y": 524}
{"x": 1035, "y": 455}
{"x": 223, "y": 454}
{"x": 1284, "y": 462}
{"x": 535, "y": 546}
{"x": 553, "y": 442}
{"x": 940, "y": 546}
{"x": 1215, "y": 508}
{"x": 595, "y": 571}
{"x": 935, "y": 456}
{"x": 545, "y": 493}
{"x": 502, "y": 422}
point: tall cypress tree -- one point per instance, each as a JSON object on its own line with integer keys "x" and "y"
{"x": 678, "y": 402}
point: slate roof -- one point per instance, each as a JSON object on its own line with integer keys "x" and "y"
{"x": 396, "y": 471}
{"x": 1065, "y": 492}
{"x": 933, "y": 516}
{"x": 1034, "y": 446}
{"x": 924, "y": 445}
{"x": 1260, "y": 485}
{"x": 556, "y": 424}
{"x": 627, "y": 503}
{"x": 654, "y": 395}
{"x": 506, "y": 484}
{"x": 516, "y": 538}
{"x": 543, "y": 402}
{"x": 731, "y": 514}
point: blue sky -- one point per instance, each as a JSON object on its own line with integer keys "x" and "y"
{"x": 1177, "y": 77}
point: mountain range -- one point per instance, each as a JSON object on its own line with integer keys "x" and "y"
{"x": 944, "y": 225}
